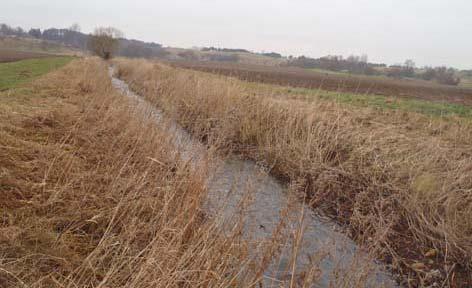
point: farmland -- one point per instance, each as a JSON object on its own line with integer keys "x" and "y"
{"x": 28, "y": 45}
{"x": 16, "y": 73}
{"x": 409, "y": 104}
{"x": 345, "y": 83}
{"x": 14, "y": 55}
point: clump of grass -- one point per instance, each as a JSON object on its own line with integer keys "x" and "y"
{"x": 400, "y": 181}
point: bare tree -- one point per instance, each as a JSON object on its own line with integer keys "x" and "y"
{"x": 104, "y": 41}
{"x": 410, "y": 63}
{"x": 36, "y": 33}
{"x": 75, "y": 27}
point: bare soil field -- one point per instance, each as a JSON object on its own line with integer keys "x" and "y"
{"x": 13, "y": 55}
{"x": 297, "y": 77}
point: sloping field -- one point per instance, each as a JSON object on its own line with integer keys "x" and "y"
{"x": 13, "y": 55}
{"x": 15, "y": 73}
{"x": 401, "y": 182}
{"x": 296, "y": 77}
{"x": 35, "y": 46}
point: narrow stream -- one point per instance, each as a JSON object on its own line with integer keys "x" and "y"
{"x": 267, "y": 204}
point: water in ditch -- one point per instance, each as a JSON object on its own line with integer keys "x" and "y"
{"x": 241, "y": 186}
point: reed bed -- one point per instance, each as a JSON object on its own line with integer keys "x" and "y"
{"x": 400, "y": 182}
{"x": 94, "y": 194}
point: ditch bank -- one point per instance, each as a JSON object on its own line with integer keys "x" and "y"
{"x": 304, "y": 245}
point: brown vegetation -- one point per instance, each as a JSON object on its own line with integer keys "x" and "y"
{"x": 297, "y": 77}
{"x": 400, "y": 181}
{"x": 95, "y": 195}
{"x": 104, "y": 42}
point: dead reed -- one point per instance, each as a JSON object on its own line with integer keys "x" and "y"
{"x": 401, "y": 182}
{"x": 94, "y": 194}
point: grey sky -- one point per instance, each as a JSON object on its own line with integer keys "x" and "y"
{"x": 432, "y": 32}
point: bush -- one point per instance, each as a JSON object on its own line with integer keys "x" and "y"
{"x": 104, "y": 42}
{"x": 447, "y": 76}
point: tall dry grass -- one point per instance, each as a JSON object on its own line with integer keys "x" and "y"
{"x": 402, "y": 182}
{"x": 94, "y": 194}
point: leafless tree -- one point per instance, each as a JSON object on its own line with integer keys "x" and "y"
{"x": 104, "y": 41}
{"x": 75, "y": 27}
{"x": 410, "y": 63}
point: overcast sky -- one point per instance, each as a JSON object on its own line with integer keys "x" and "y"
{"x": 431, "y": 32}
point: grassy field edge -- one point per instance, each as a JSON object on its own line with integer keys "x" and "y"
{"x": 13, "y": 74}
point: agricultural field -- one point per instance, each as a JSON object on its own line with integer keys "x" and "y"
{"x": 29, "y": 45}
{"x": 239, "y": 57}
{"x": 339, "y": 82}
{"x": 396, "y": 175}
{"x": 408, "y": 104}
{"x": 15, "y": 73}
{"x": 466, "y": 82}
{"x": 15, "y": 55}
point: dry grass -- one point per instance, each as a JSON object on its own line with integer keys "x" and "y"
{"x": 36, "y": 46}
{"x": 94, "y": 194}
{"x": 401, "y": 181}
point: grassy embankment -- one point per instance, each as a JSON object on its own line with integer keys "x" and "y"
{"x": 36, "y": 46}
{"x": 94, "y": 194}
{"x": 401, "y": 181}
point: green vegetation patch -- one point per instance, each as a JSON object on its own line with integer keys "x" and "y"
{"x": 384, "y": 102}
{"x": 15, "y": 73}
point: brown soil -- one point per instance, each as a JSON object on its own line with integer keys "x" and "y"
{"x": 296, "y": 77}
{"x": 12, "y": 55}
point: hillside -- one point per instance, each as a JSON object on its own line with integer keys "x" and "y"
{"x": 57, "y": 40}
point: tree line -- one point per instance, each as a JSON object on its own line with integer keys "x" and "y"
{"x": 360, "y": 65}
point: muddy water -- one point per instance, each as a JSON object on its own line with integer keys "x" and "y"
{"x": 240, "y": 187}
